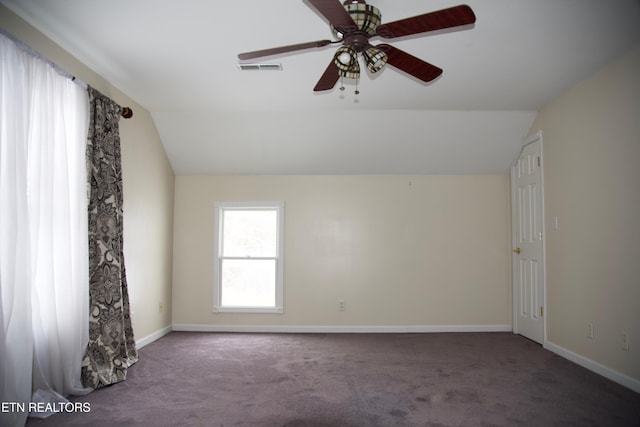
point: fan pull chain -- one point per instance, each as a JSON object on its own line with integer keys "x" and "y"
{"x": 357, "y": 92}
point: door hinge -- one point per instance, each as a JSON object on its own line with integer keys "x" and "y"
{"x": 541, "y": 311}
{"x": 540, "y": 235}
{"x": 538, "y": 161}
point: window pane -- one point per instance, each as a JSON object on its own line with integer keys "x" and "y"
{"x": 248, "y": 283}
{"x": 249, "y": 233}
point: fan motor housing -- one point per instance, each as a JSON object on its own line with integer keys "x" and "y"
{"x": 357, "y": 40}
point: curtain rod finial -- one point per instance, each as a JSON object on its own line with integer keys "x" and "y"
{"x": 127, "y": 112}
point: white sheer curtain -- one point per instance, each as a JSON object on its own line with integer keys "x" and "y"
{"x": 43, "y": 225}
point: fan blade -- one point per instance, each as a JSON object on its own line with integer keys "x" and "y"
{"x": 410, "y": 64}
{"x": 335, "y": 13}
{"x": 329, "y": 78}
{"x": 441, "y": 19}
{"x": 282, "y": 49}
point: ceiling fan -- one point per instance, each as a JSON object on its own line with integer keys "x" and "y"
{"x": 354, "y": 22}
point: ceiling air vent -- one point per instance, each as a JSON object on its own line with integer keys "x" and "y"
{"x": 260, "y": 66}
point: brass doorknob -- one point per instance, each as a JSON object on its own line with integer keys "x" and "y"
{"x": 516, "y": 250}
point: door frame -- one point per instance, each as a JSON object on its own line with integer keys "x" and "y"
{"x": 535, "y": 139}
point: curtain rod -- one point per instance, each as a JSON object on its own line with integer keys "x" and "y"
{"x": 127, "y": 112}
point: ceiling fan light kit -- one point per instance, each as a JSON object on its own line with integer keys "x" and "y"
{"x": 354, "y": 22}
{"x": 365, "y": 17}
{"x": 346, "y": 59}
{"x": 375, "y": 59}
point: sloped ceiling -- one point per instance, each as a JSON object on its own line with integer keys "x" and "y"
{"x": 179, "y": 60}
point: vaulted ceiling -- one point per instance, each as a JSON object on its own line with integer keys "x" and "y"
{"x": 179, "y": 60}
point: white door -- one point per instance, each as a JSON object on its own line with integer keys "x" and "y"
{"x": 527, "y": 237}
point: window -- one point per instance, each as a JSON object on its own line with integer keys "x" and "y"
{"x": 248, "y": 257}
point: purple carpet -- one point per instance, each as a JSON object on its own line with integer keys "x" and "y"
{"x": 438, "y": 379}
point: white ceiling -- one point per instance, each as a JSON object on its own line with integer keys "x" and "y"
{"x": 178, "y": 59}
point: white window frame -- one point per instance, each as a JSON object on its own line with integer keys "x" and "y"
{"x": 220, "y": 207}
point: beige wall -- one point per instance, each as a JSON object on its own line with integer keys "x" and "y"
{"x": 148, "y": 190}
{"x": 400, "y": 250}
{"x": 591, "y": 143}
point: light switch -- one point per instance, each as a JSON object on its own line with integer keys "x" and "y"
{"x": 554, "y": 222}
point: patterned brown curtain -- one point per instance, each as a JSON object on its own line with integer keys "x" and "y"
{"x": 111, "y": 348}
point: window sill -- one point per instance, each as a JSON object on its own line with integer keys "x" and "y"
{"x": 263, "y": 310}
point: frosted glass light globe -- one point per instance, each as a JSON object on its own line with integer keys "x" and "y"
{"x": 344, "y": 58}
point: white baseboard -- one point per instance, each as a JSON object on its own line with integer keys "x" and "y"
{"x": 152, "y": 337}
{"x": 341, "y": 329}
{"x": 594, "y": 366}
{"x": 318, "y": 329}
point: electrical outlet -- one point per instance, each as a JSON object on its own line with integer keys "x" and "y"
{"x": 590, "y": 330}
{"x": 625, "y": 341}
{"x": 342, "y": 306}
